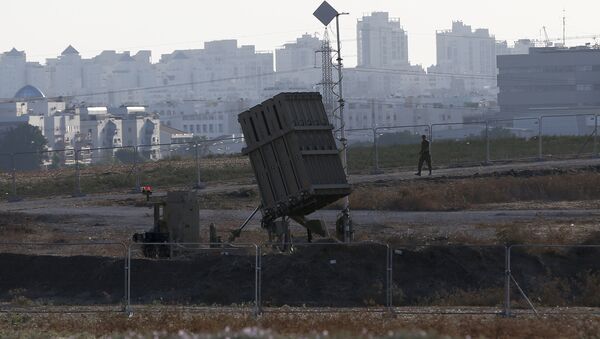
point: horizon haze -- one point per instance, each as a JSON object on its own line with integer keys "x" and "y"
{"x": 45, "y": 31}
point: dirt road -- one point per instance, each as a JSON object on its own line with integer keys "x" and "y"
{"x": 95, "y": 214}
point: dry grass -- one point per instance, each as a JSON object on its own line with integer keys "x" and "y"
{"x": 459, "y": 194}
{"x": 178, "y": 324}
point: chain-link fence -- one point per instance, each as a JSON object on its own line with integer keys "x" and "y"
{"x": 196, "y": 275}
{"x": 552, "y": 279}
{"x": 42, "y": 277}
{"x": 77, "y": 171}
{"x": 334, "y": 275}
{"x": 513, "y": 139}
{"x": 360, "y": 150}
{"x": 459, "y": 143}
{"x": 366, "y": 276}
{"x": 567, "y": 136}
{"x": 399, "y": 146}
{"x": 122, "y": 169}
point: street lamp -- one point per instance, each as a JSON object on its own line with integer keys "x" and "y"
{"x": 326, "y": 13}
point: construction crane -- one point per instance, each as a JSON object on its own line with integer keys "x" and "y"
{"x": 547, "y": 41}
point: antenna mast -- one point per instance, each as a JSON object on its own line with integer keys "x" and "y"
{"x": 564, "y": 28}
{"x": 327, "y": 84}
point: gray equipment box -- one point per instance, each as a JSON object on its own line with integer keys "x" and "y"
{"x": 293, "y": 154}
{"x": 182, "y": 216}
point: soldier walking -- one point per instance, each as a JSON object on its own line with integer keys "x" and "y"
{"x": 424, "y": 155}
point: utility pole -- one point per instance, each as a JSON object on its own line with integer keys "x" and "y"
{"x": 345, "y": 219}
{"x": 326, "y": 13}
{"x": 564, "y": 28}
{"x": 327, "y": 84}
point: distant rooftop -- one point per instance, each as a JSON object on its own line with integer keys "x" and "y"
{"x": 561, "y": 49}
{"x": 70, "y": 50}
{"x": 14, "y": 52}
{"x": 29, "y": 92}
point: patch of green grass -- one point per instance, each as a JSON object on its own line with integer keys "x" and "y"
{"x": 469, "y": 151}
{"x": 181, "y": 172}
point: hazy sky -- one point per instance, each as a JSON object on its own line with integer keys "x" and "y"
{"x": 44, "y": 28}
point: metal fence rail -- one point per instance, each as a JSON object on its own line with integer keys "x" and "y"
{"x": 51, "y": 260}
{"x": 342, "y": 272}
{"x": 77, "y": 171}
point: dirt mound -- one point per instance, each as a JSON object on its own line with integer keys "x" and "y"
{"x": 311, "y": 276}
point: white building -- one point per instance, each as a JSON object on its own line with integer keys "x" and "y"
{"x": 60, "y": 130}
{"x": 374, "y": 83}
{"x": 170, "y": 135}
{"x": 13, "y": 74}
{"x": 382, "y": 42}
{"x": 298, "y": 64}
{"x": 466, "y": 58}
{"x": 220, "y": 70}
{"x": 369, "y": 113}
{"x": 65, "y": 73}
{"x": 203, "y": 118}
{"x": 29, "y": 100}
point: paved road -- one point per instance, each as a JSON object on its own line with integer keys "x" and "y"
{"x": 142, "y": 217}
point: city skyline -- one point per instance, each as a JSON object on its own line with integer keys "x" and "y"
{"x": 136, "y": 26}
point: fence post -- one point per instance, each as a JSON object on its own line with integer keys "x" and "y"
{"x": 540, "y": 153}
{"x": 78, "y": 192}
{"x": 199, "y": 184}
{"x": 257, "y": 281}
{"x": 390, "y": 281}
{"x": 376, "y": 169}
{"x": 128, "y": 309}
{"x": 507, "y": 277}
{"x": 487, "y": 142}
{"x": 431, "y": 139}
{"x": 13, "y": 197}
{"x": 136, "y": 188}
{"x": 595, "y": 136}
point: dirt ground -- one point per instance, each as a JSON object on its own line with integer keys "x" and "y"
{"x": 66, "y": 271}
{"x": 176, "y": 323}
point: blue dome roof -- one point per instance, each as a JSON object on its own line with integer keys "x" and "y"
{"x": 28, "y": 92}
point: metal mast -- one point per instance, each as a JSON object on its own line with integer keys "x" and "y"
{"x": 326, "y": 13}
{"x": 564, "y": 28}
{"x": 344, "y": 219}
{"x": 327, "y": 83}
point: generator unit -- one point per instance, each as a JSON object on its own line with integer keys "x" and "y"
{"x": 295, "y": 160}
{"x": 176, "y": 220}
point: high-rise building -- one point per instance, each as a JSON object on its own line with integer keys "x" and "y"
{"x": 466, "y": 59}
{"x": 299, "y": 55}
{"x": 382, "y": 42}
{"x": 65, "y": 73}
{"x": 466, "y": 51}
{"x": 298, "y": 64}
{"x": 12, "y": 72}
{"x": 221, "y": 69}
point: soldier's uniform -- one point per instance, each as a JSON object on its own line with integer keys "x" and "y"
{"x": 425, "y": 156}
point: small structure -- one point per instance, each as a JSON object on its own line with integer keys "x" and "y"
{"x": 176, "y": 220}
